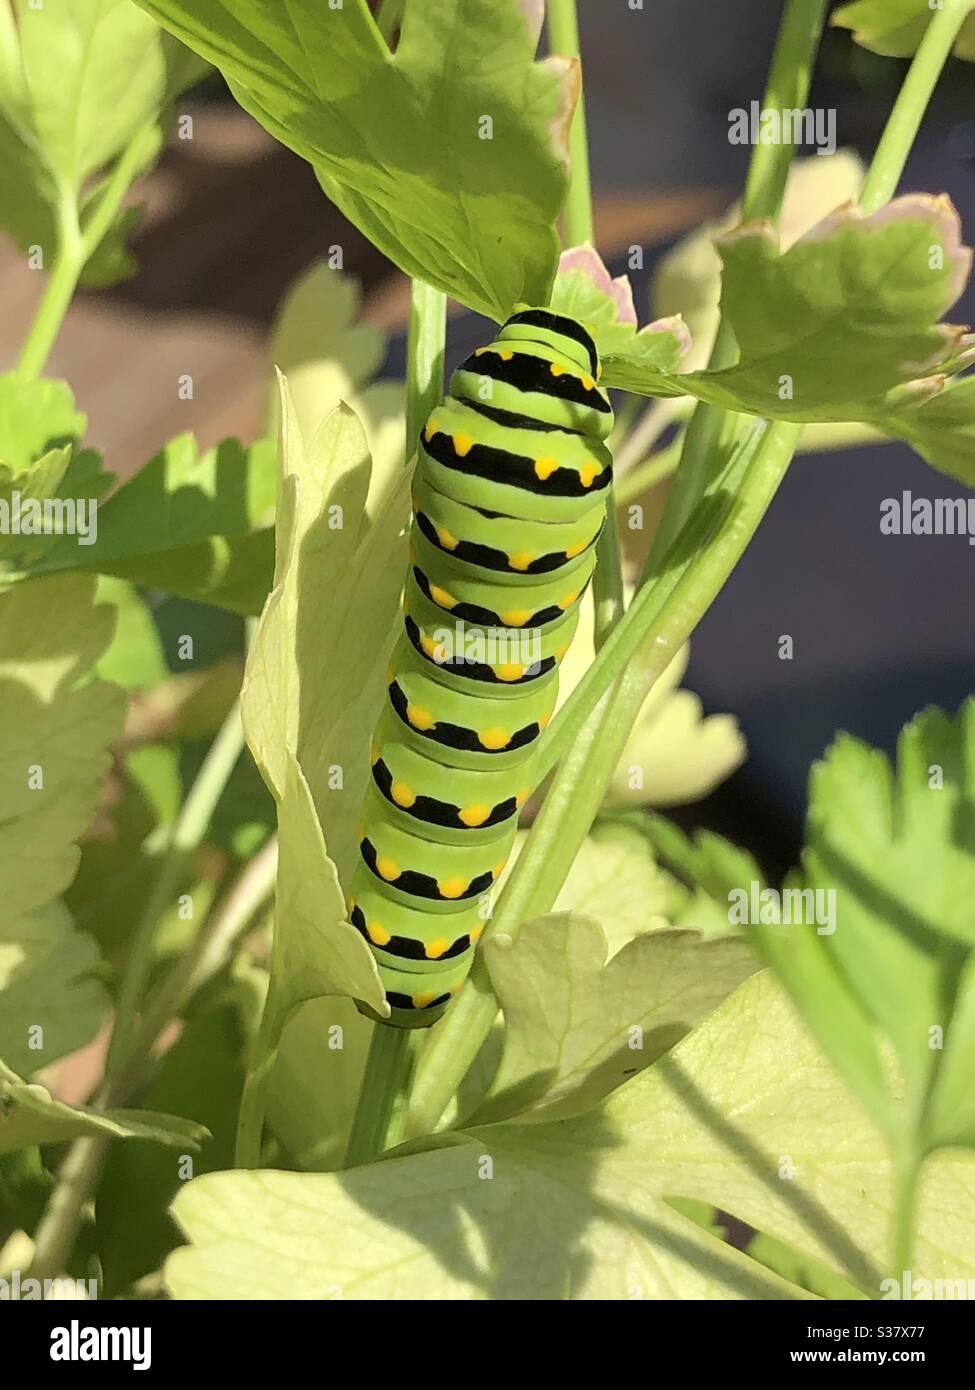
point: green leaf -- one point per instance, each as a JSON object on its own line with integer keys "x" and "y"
{"x": 898, "y": 851}
{"x": 316, "y": 951}
{"x": 315, "y": 1084}
{"x": 581, "y": 1208}
{"x": 69, "y": 110}
{"x": 50, "y": 1001}
{"x": 398, "y": 140}
{"x": 197, "y": 525}
{"x": 52, "y": 732}
{"x": 341, "y": 532}
{"x": 35, "y": 417}
{"x": 896, "y": 27}
{"x": 842, "y": 326}
{"x": 576, "y": 1027}
{"x": 135, "y": 658}
{"x": 200, "y": 1077}
{"x": 585, "y": 291}
{"x": 942, "y": 430}
{"x": 615, "y": 880}
{"x": 30, "y": 1115}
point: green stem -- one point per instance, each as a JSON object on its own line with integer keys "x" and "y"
{"x": 380, "y": 1115}
{"x": 912, "y": 101}
{"x": 787, "y": 88}
{"x": 60, "y": 290}
{"x": 76, "y": 246}
{"x": 424, "y": 358}
{"x": 186, "y": 835}
{"x": 264, "y": 1055}
{"x": 563, "y": 37}
{"x": 907, "y": 1176}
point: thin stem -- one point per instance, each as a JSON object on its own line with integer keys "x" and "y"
{"x": 787, "y": 88}
{"x": 58, "y": 1228}
{"x": 188, "y": 832}
{"x": 563, "y": 39}
{"x": 644, "y": 435}
{"x": 912, "y": 101}
{"x": 425, "y": 358}
{"x": 379, "y": 1117}
{"x": 264, "y": 1055}
{"x": 60, "y": 290}
{"x": 907, "y": 1176}
{"x": 76, "y": 246}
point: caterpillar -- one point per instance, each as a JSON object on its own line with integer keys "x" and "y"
{"x": 509, "y": 498}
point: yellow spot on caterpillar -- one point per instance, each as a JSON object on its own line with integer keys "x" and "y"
{"x": 431, "y": 429}
{"x": 378, "y": 935}
{"x": 435, "y": 949}
{"x": 560, "y": 652}
{"x": 479, "y": 352}
{"x": 420, "y": 718}
{"x": 463, "y": 444}
{"x": 544, "y": 720}
{"x": 388, "y": 868}
{"x": 406, "y": 606}
{"x": 599, "y": 372}
{"x": 522, "y": 796}
{"x": 498, "y": 869}
{"x": 505, "y": 354}
{"x": 374, "y": 754}
{"x": 457, "y": 987}
{"x": 452, "y": 887}
{"x": 402, "y": 794}
{"x": 430, "y": 647}
{"x": 587, "y": 382}
{"x": 589, "y": 472}
{"x": 475, "y": 932}
{"x": 494, "y": 738}
{"x": 425, "y": 997}
{"x": 446, "y": 538}
{"x": 521, "y": 560}
{"x": 545, "y": 467}
{"x": 516, "y": 617}
{"x": 474, "y": 815}
{"x": 575, "y": 549}
{"x": 509, "y": 671}
{"x": 569, "y": 599}
{"x": 556, "y": 369}
{"x": 390, "y": 676}
{"x": 441, "y": 597}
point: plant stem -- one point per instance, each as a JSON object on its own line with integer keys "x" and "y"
{"x": 187, "y": 833}
{"x": 424, "y": 358}
{"x": 58, "y": 1228}
{"x": 76, "y": 246}
{"x": 787, "y": 88}
{"x": 907, "y": 1175}
{"x": 264, "y": 1055}
{"x": 58, "y": 294}
{"x": 905, "y": 119}
{"x": 380, "y": 1114}
{"x": 563, "y": 39}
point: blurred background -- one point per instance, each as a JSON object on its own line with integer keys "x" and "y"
{"x": 881, "y": 625}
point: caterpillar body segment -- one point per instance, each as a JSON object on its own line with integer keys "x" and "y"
{"x": 509, "y": 498}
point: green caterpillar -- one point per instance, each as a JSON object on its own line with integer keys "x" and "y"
{"x": 509, "y": 497}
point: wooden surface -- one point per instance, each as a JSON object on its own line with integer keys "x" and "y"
{"x": 231, "y": 218}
